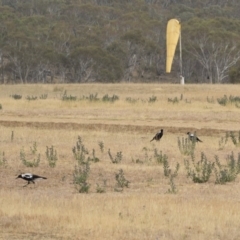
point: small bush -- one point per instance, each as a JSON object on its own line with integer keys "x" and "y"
{"x": 80, "y": 177}
{"x": 117, "y": 158}
{"x": 173, "y": 100}
{"x": 31, "y": 98}
{"x": 112, "y": 99}
{"x": 16, "y": 96}
{"x": 102, "y": 188}
{"x": 210, "y": 100}
{"x": 122, "y": 182}
{"x": 93, "y": 158}
{"x": 172, "y": 176}
{"x": 229, "y": 172}
{"x": 91, "y": 97}
{"x": 186, "y": 146}
{"x": 160, "y": 157}
{"x": 235, "y": 139}
{"x": 3, "y": 160}
{"x": 66, "y": 97}
{"x": 80, "y": 152}
{"x": 223, "y": 141}
{"x": 33, "y": 155}
{"x": 51, "y": 155}
{"x": 101, "y": 146}
{"x": 132, "y": 100}
{"x": 223, "y": 101}
{"x": 152, "y": 99}
{"x": 43, "y": 96}
{"x": 199, "y": 172}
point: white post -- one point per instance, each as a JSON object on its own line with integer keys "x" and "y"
{"x": 182, "y": 82}
{"x": 180, "y": 46}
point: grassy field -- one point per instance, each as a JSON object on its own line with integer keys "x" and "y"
{"x": 147, "y": 208}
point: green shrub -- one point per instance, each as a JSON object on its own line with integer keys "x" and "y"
{"x": 122, "y": 182}
{"x": 66, "y": 97}
{"x": 117, "y": 158}
{"x": 229, "y": 172}
{"x": 3, "y": 160}
{"x": 186, "y": 146}
{"x": 152, "y": 99}
{"x": 16, "y": 96}
{"x": 80, "y": 152}
{"x": 223, "y": 141}
{"x": 112, "y": 99}
{"x": 160, "y": 157}
{"x": 199, "y": 172}
{"x": 31, "y": 98}
{"x": 35, "y": 158}
{"x": 235, "y": 139}
{"x": 51, "y": 155}
{"x": 80, "y": 177}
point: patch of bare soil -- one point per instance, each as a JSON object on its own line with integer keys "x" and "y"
{"x": 106, "y": 127}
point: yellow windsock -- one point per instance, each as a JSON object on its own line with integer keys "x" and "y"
{"x": 173, "y": 33}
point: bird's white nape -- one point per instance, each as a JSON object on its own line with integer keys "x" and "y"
{"x": 27, "y": 175}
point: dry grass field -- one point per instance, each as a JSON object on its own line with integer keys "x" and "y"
{"x": 54, "y": 209}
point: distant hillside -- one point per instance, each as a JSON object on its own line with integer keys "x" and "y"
{"x": 117, "y": 40}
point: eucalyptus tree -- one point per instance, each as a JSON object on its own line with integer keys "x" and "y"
{"x": 215, "y": 45}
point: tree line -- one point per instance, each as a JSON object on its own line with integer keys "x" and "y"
{"x": 78, "y": 41}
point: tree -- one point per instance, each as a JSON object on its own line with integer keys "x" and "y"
{"x": 214, "y": 48}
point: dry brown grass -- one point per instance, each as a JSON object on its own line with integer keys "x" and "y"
{"x": 52, "y": 208}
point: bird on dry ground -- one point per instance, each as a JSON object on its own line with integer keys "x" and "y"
{"x": 192, "y": 137}
{"x": 158, "y": 135}
{"x": 29, "y": 177}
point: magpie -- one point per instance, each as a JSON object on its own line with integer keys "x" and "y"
{"x": 192, "y": 137}
{"x": 29, "y": 177}
{"x": 158, "y": 136}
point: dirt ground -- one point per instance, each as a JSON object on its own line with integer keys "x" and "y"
{"x": 54, "y": 209}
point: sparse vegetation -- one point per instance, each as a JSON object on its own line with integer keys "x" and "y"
{"x": 186, "y": 146}
{"x": 33, "y": 156}
{"x": 171, "y": 176}
{"x": 3, "y": 160}
{"x": 117, "y": 158}
{"x": 229, "y": 100}
{"x": 80, "y": 152}
{"x": 235, "y": 139}
{"x": 51, "y": 155}
{"x": 43, "y": 96}
{"x": 160, "y": 157}
{"x": 80, "y": 177}
{"x": 127, "y": 128}
{"x": 31, "y": 98}
{"x": 112, "y": 99}
{"x": 227, "y": 173}
{"x": 16, "y": 96}
{"x": 152, "y": 99}
{"x": 199, "y": 171}
{"x": 122, "y": 182}
{"x": 223, "y": 141}
{"x": 66, "y": 97}
{"x": 210, "y": 100}
{"x": 101, "y": 146}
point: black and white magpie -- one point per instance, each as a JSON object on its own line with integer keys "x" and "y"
{"x": 29, "y": 177}
{"x": 192, "y": 137}
{"x": 158, "y": 135}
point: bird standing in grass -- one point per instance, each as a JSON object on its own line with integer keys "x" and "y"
{"x": 192, "y": 137}
{"x": 29, "y": 177}
{"x": 158, "y": 135}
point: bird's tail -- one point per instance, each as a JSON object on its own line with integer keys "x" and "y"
{"x": 152, "y": 140}
{"x": 43, "y": 177}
